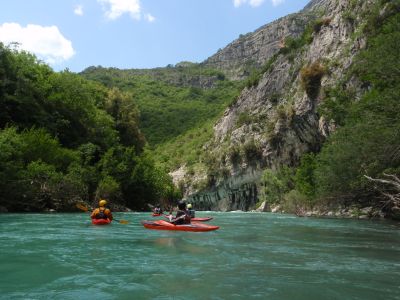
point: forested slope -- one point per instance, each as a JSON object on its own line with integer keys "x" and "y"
{"x": 65, "y": 139}
{"x": 171, "y": 100}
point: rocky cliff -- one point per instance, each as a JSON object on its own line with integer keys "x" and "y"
{"x": 252, "y": 50}
{"x": 275, "y": 119}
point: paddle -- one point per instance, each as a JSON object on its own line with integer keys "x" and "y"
{"x": 84, "y": 208}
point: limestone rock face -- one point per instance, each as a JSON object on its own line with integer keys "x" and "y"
{"x": 281, "y": 118}
{"x": 254, "y": 49}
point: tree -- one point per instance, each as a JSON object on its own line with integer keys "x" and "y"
{"x": 126, "y": 115}
{"x": 304, "y": 178}
{"x": 389, "y": 187}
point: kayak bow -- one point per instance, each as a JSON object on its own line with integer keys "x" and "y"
{"x": 101, "y": 221}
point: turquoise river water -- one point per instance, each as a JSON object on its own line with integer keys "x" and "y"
{"x": 251, "y": 256}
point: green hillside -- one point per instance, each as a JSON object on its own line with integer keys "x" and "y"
{"x": 65, "y": 139}
{"x": 171, "y": 100}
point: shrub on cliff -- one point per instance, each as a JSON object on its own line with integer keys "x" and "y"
{"x": 252, "y": 151}
{"x": 319, "y": 23}
{"x": 310, "y": 77}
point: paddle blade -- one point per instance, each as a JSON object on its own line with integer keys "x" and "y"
{"x": 81, "y": 206}
{"x": 122, "y": 221}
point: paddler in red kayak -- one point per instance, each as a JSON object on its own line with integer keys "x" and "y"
{"x": 191, "y": 211}
{"x": 157, "y": 210}
{"x": 102, "y": 212}
{"x": 182, "y": 215}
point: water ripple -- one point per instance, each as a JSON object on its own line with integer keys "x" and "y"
{"x": 252, "y": 255}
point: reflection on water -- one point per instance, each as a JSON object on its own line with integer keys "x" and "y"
{"x": 178, "y": 244}
{"x": 168, "y": 242}
{"x": 63, "y": 256}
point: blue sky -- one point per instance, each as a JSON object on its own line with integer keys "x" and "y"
{"x": 76, "y": 34}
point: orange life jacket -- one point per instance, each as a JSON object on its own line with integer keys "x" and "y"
{"x": 101, "y": 213}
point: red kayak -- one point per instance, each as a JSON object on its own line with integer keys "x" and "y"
{"x": 156, "y": 215}
{"x": 101, "y": 221}
{"x": 205, "y": 219}
{"x": 164, "y": 225}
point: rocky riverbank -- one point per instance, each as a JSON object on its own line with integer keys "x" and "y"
{"x": 352, "y": 212}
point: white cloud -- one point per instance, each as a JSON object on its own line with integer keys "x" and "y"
{"x": 238, "y": 3}
{"x": 46, "y": 42}
{"x": 116, "y": 8}
{"x": 255, "y": 3}
{"x": 149, "y": 18}
{"x": 78, "y": 10}
{"x": 277, "y": 2}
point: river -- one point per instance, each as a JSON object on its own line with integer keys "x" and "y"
{"x": 251, "y": 256}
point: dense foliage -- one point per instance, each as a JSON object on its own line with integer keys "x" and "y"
{"x": 65, "y": 139}
{"x": 178, "y": 107}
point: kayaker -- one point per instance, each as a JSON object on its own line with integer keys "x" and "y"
{"x": 102, "y": 212}
{"x": 191, "y": 211}
{"x": 158, "y": 210}
{"x": 182, "y": 215}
